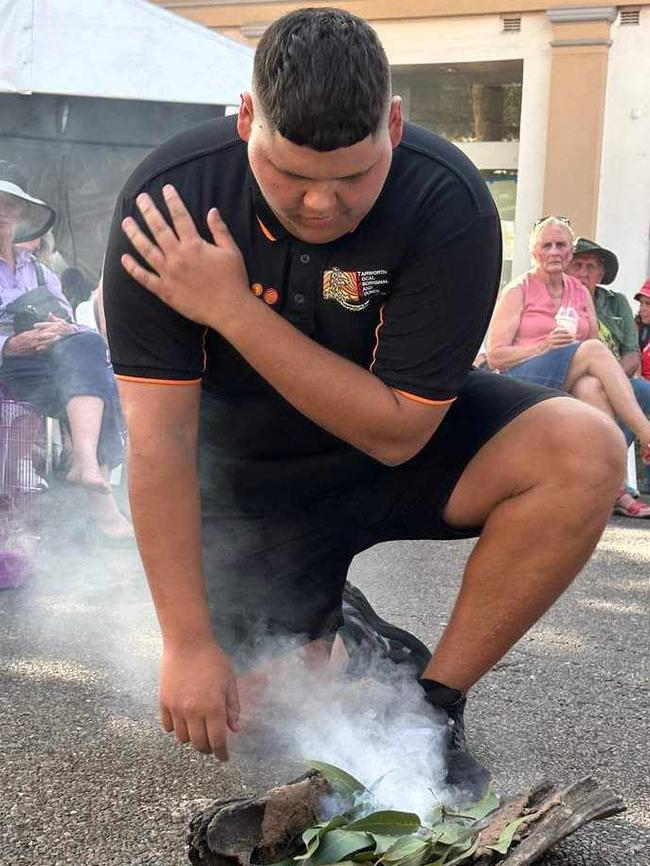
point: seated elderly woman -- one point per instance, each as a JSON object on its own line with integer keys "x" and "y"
{"x": 544, "y": 330}
{"x": 48, "y": 361}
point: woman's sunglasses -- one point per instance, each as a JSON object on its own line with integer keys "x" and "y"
{"x": 562, "y": 219}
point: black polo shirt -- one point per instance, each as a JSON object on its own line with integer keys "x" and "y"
{"x": 407, "y": 295}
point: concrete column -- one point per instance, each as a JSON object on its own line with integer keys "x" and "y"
{"x": 532, "y": 142}
{"x": 580, "y": 56}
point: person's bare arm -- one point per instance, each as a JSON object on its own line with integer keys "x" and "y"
{"x": 630, "y": 362}
{"x": 208, "y": 284}
{"x": 198, "y": 697}
{"x": 98, "y": 307}
{"x": 41, "y": 337}
{"x": 502, "y": 331}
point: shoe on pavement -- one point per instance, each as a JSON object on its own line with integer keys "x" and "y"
{"x": 367, "y": 636}
{"x": 627, "y": 506}
{"x": 463, "y": 771}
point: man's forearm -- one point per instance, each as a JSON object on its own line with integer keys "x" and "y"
{"x": 164, "y": 495}
{"x": 335, "y": 393}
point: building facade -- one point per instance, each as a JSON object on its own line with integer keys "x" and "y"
{"x": 552, "y": 103}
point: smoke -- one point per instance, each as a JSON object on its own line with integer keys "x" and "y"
{"x": 379, "y": 729}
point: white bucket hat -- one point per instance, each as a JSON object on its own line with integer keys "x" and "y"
{"x": 37, "y": 217}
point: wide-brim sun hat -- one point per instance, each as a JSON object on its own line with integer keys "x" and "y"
{"x": 37, "y": 217}
{"x": 644, "y": 291}
{"x": 607, "y": 257}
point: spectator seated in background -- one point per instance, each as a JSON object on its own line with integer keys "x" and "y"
{"x": 44, "y": 249}
{"x": 48, "y": 361}
{"x": 91, "y": 313}
{"x": 643, "y": 325}
{"x": 545, "y": 330}
{"x": 596, "y": 267}
{"x": 76, "y": 288}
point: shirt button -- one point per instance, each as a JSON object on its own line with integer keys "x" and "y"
{"x": 299, "y": 298}
{"x": 304, "y": 258}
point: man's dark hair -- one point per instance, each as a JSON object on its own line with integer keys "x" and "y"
{"x": 321, "y": 77}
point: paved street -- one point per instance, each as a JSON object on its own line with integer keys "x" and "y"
{"x": 87, "y": 777}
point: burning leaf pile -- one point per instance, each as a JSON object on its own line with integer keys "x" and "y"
{"x": 328, "y": 817}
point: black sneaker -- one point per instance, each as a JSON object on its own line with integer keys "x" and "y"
{"x": 463, "y": 771}
{"x": 367, "y": 636}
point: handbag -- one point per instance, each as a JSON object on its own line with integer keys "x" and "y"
{"x": 35, "y": 305}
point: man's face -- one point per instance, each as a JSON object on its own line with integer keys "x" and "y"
{"x": 587, "y": 268}
{"x": 318, "y": 196}
{"x": 644, "y": 310}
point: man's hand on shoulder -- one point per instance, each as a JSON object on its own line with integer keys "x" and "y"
{"x": 203, "y": 282}
{"x": 198, "y": 696}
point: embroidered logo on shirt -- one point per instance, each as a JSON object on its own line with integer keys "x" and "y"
{"x": 354, "y": 289}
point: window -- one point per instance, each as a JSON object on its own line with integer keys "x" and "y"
{"x": 464, "y": 101}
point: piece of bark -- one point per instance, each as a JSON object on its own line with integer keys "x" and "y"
{"x": 498, "y": 821}
{"x": 257, "y": 830}
{"x": 561, "y": 813}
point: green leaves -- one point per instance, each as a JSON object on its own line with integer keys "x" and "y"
{"x": 388, "y": 823}
{"x": 343, "y": 783}
{"x": 407, "y": 851}
{"x": 339, "y": 845}
{"x": 389, "y": 837}
{"x": 505, "y": 839}
{"x": 488, "y": 803}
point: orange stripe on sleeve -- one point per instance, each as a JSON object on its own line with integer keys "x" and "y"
{"x": 417, "y": 399}
{"x": 156, "y": 381}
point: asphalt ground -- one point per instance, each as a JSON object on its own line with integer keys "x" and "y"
{"x": 88, "y": 778}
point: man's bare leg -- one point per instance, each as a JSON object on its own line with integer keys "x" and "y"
{"x": 589, "y": 390}
{"x": 523, "y": 487}
{"x": 85, "y": 419}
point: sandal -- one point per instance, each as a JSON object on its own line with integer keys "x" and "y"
{"x": 627, "y": 506}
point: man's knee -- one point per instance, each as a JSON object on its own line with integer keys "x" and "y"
{"x": 584, "y": 446}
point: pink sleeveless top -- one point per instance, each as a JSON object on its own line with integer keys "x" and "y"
{"x": 538, "y": 312}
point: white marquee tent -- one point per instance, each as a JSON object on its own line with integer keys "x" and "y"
{"x": 117, "y": 49}
{"x": 88, "y": 87}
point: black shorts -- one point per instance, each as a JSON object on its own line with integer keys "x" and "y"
{"x": 283, "y": 573}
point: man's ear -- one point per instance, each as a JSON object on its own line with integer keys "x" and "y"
{"x": 395, "y": 121}
{"x": 245, "y": 116}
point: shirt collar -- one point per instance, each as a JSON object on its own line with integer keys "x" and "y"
{"x": 268, "y": 223}
{"x": 605, "y": 291}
